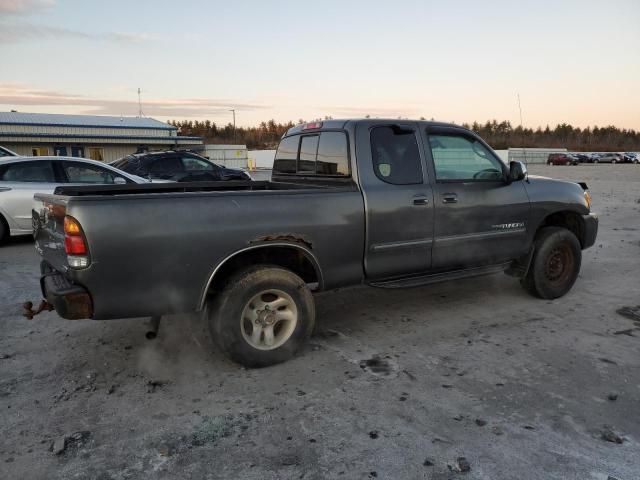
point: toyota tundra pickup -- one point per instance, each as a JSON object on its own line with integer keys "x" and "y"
{"x": 387, "y": 203}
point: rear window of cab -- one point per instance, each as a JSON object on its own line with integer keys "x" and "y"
{"x": 322, "y": 153}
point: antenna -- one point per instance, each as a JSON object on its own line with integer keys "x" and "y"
{"x": 524, "y": 151}
{"x": 140, "y": 114}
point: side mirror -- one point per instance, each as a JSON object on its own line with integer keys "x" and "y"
{"x": 517, "y": 171}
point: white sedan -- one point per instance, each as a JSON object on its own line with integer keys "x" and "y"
{"x": 22, "y": 177}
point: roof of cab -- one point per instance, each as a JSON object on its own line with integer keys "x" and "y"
{"x": 341, "y": 123}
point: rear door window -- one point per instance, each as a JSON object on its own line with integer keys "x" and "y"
{"x": 196, "y": 164}
{"x": 166, "y": 165}
{"x": 85, "y": 173}
{"x": 29, "y": 171}
{"x": 396, "y": 156}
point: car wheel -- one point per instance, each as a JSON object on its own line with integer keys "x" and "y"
{"x": 262, "y": 316}
{"x": 635, "y": 161}
{"x": 614, "y": 161}
{"x": 550, "y": 163}
{"x": 555, "y": 264}
{"x": 596, "y": 161}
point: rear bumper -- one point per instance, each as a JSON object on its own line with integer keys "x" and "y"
{"x": 70, "y": 301}
{"x": 590, "y": 230}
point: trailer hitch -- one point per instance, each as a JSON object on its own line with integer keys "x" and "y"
{"x": 28, "y": 311}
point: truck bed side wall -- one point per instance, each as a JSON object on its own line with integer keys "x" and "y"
{"x": 169, "y": 246}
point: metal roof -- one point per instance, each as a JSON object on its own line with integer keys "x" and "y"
{"x": 97, "y": 121}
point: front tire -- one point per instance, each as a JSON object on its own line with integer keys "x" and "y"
{"x": 555, "y": 265}
{"x": 263, "y": 316}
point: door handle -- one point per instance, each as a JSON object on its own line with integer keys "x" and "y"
{"x": 420, "y": 200}
{"x": 449, "y": 198}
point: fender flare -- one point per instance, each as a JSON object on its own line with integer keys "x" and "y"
{"x": 306, "y": 251}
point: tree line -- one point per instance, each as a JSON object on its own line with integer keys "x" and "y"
{"x": 500, "y": 135}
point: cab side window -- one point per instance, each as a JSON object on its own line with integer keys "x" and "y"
{"x": 396, "y": 157}
{"x": 196, "y": 164}
{"x": 461, "y": 158}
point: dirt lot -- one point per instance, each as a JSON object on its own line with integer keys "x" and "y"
{"x": 396, "y": 384}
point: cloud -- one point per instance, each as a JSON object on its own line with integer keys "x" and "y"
{"x": 16, "y": 95}
{"x": 21, "y": 7}
{"x": 25, "y": 32}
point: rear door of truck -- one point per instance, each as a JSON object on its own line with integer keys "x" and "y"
{"x": 398, "y": 197}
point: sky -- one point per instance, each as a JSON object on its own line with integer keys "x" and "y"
{"x": 574, "y": 62}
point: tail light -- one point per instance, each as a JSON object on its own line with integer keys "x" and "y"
{"x": 75, "y": 245}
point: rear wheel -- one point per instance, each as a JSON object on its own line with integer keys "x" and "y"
{"x": 614, "y": 161}
{"x": 550, "y": 163}
{"x": 263, "y": 315}
{"x": 555, "y": 265}
{"x": 596, "y": 161}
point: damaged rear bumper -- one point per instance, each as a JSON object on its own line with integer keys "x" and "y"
{"x": 590, "y": 230}
{"x": 72, "y": 302}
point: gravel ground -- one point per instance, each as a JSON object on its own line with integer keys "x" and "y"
{"x": 396, "y": 384}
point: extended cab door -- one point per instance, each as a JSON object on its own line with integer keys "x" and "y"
{"x": 480, "y": 218}
{"x": 398, "y": 199}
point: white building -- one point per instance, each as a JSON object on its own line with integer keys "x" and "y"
{"x": 97, "y": 137}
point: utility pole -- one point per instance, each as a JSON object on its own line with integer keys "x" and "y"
{"x": 234, "y": 125}
{"x": 140, "y": 114}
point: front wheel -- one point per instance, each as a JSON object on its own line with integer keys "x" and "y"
{"x": 262, "y": 316}
{"x": 555, "y": 265}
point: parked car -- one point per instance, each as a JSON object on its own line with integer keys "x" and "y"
{"x": 562, "y": 159}
{"x": 5, "y": 152}
{"x": 631, "y": 157}
{"x": 387, "y": 203}
{"x": 177, "y": 167}
{"x": 609, "y": 158}
{"x": 22, "y": 177}
{"x": 582, "y": 157}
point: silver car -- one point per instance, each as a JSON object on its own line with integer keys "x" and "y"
{"x": 22, "y": 177}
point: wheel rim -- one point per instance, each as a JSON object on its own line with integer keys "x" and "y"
{"x": 269, "y": 319}
{"x": 559, "y": 265}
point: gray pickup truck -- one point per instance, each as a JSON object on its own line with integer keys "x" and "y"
{"x": 387, "y": 203}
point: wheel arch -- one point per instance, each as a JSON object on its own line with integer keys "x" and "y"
{"x": 292, "y": 256}
{"x": 569, "y": 219}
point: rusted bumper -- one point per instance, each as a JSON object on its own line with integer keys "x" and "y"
{"x": 71, "y": 301}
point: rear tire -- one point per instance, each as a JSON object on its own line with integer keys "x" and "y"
{"x": 262, "y": 316}
{"x": 555, "y": 264}
{"x": 550, "y": 163}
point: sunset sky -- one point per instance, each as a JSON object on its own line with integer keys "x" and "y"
{"x": 570, "y": 61}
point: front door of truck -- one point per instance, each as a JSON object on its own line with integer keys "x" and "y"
{"x": 480, "y": 218}
{"x": 398, "y": 199}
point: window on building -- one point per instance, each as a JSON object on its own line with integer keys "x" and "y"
{"x": 39, "y": 151}
{"x": 32, "y": 171}
{"x": 396, "y": 157}
{"x": 96, "y": 153}
{"x": 462, "y": 158}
